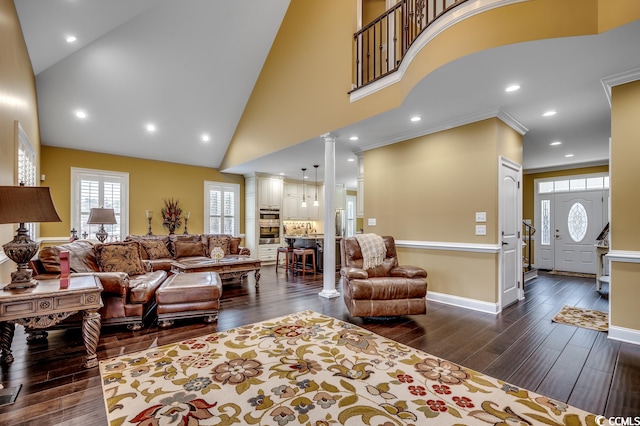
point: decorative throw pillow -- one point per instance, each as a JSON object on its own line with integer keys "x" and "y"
{"x": 234, "y": 245}
{"x": 221, "y": 241}
{"x": 156, "y": 249}
{"x": 50, "y": 259}
{"x": 120, "y": 257}
{"x": 188, "y": 248}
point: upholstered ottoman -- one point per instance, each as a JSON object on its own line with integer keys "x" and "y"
{"x": 189, "y": 295}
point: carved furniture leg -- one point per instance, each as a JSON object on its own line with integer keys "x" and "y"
{"x": 257, "y": 274}
{"x": 7, "y": 329}
{"x": 211, "y": 318}
{"x": 91, "y": 335}
{"x": 165, "y": 323}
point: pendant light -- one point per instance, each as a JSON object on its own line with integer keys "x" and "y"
{"x": 315, "y": 202}
{"x": 304, "y": 199}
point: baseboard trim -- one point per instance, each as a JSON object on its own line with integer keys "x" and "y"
{"x": 622, "y": 334}
{"x": 464, "y": 302}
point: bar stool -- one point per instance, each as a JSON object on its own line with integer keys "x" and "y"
{"x": 288, "y": 258}
{"x": 300, "y": 254}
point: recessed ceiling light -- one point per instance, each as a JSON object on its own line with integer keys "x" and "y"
{"x": 512, "y": 88}
{"x": 353, "y": 138}
{"x": 281, "y": 174}
{"x": 549, "y": 113}
{"x": 569, "y": 155}
{"x": 351, "y": 159}
{"x": 150, "y": 127}
{"x": 71, "y": 39}
{"x": 205, "y": 138}
{"x": 555, "y": 143}
{"x": 81, "y": 114}
{"x": 416, "y": 118}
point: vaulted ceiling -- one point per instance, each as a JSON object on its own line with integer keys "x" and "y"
{"x": 189, "y": 67}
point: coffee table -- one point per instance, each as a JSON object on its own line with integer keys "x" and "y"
{"x": 228, "y": 268}
{"x": 45, "y": 305}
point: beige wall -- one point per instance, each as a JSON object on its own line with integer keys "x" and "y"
{"x": 429, "y": 188}
{"x": 149, "y": 183}
{"x": 625, "y": 203}
{"x": 302, "y": 91}
{"x": 17, "y": 102}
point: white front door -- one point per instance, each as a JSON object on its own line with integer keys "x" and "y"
{"x": 511, "y": 225}
{"x": 578, "y": 218}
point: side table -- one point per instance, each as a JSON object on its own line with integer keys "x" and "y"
{"x": 45, "y": 305}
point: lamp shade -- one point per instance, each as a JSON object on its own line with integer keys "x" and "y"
{"x": 24, "y": 204}
{"x": 101, "y": 216}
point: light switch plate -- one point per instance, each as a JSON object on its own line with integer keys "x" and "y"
{"x": 371, "y": 221}
{"x": 481, "y": 230}
{"x": 481, "y": 216}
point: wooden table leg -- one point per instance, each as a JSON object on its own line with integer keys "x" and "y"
{"x": 91, "y": 335}
{"x": 7, "y": 329}
{"x": 257, "y": 275}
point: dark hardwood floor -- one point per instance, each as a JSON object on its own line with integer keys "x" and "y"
{"x": 521, "y": 346}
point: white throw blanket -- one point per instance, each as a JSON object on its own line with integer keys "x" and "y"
{"x": 373, "y": 250}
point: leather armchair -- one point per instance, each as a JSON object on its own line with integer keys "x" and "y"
{"x": 383, "y": 291}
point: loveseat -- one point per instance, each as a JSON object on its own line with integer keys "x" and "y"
{"x": 385, "y": 290}
{"x": 130, "y": 271}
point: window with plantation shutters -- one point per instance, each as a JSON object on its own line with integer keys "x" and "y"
{"x": 222, "y": 210}
{"x": 99, "y": 188}
{"x": 26, "y": 168}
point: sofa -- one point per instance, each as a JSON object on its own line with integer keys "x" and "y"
{"x": 130, "y": 271}
{"x": 162, "y": 250}
{"x": 386, "y": 290}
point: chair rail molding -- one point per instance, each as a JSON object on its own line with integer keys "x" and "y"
{"x": 450, "y": 246}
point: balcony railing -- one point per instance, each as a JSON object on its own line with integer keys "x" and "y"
{"x": 381, "y": 45}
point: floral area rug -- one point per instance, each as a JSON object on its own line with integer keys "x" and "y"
{"x": 311, "y": 369}
{"x": 587, "y": 318}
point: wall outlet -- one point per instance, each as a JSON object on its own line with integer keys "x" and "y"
{"x": 371, "y": 221}
{"x": 481, "y": 230}
{"x": 481, "y": 217}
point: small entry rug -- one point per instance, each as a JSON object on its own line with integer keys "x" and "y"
{"x": 580, "y": 317}
{"x": 311, "y": 369}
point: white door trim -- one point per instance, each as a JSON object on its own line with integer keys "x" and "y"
{"x": 505, "y": 162}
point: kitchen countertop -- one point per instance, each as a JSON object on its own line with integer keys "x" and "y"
{"x": 308, "y": 237}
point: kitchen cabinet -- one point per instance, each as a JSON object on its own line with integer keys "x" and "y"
{"x": 268, "y": 252}
{"x": 269, "y": 193}
{"x": 292, "y": 202}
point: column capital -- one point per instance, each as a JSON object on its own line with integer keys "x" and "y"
{"x": 328, "y": 137}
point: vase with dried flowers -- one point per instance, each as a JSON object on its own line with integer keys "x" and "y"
{"x": 171, "y": 215}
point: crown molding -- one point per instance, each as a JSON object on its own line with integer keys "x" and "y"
{"x": 618, "y": 79}
{"x": 451, "y": 124}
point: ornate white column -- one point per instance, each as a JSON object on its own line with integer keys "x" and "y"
{"x": 329, "y": 256}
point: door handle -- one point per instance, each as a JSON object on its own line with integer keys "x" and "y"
{"x": 504, "y": 243}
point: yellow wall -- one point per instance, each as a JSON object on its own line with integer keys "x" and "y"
{"x": 371, "y": 9}
{"x": 301, "y": 92}
{"x": 17, "y": 102}
{"x": 429, "y": 188}
{"x": 625, "y": 204}
{"x": 150, "y": 182}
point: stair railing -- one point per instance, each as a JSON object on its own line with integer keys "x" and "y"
{"x": 529, "y": 231}
{"x": 381, "y": 44}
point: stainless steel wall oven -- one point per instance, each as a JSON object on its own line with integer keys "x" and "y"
{"x": 270, "y": 224}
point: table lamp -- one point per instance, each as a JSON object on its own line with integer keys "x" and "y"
{"x": 101, "y": 216}
{"x": 24, "y": 204}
